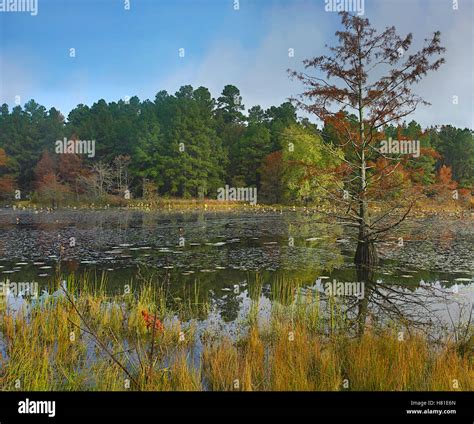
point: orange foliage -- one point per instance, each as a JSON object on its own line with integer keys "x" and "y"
{"x": 7, "y": 182}
{"x": 3, "y": 157}
{"x": 149, "y": 319}
{"x": 445, "y": 178}
{"x": 50, "y": 184}
{"x": 391, "y": 178}
{"x": 70, "y": 167}
{"x": 44, "y": 169}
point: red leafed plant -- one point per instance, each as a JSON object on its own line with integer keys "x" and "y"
{"x": 150, "y": 319}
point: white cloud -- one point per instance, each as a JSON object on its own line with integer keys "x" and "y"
{"x": 260, "y": 72}
{"x": 16, "y": 79}
{"x": 456, "y": 76}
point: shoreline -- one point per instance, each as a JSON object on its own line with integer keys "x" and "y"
{"x": 422, "y": 209}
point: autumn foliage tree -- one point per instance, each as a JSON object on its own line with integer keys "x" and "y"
{"x": 363, "y": 85}
{"x": 7, "y": 181}
{"x": 47, "y": 183}
{"x": 445, "y": 186}
{"x": 70, "y": 171}
{"x": 44, "y": 167}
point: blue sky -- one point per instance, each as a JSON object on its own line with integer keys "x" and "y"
{"x": 136, "y": 52}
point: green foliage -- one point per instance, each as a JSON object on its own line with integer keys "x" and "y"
{"x": 25, "y": 133}
{"x": 309, "y": 167}
{"x": 190, "y": 159}
{"x": 189, "y": 144}
{"x": 457, "y": 148}
{"x": 249, "y": 152}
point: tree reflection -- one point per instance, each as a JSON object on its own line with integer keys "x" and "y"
{"x": 421, "y": 308}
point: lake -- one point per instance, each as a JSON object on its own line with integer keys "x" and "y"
{"x": 223, "y": 254}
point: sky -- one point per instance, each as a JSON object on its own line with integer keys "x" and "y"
{"x": 124, "y": 51}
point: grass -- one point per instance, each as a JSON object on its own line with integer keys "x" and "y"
{"x": 425, "y": 206}
{"x": 88, "y": 340}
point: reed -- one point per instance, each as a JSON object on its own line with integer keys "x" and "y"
{"x": 90, "y": 340}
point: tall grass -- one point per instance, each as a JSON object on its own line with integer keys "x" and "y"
{"x": 89, "y": 340}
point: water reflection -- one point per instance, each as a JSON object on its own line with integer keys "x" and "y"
{"x": 227, "y": 255}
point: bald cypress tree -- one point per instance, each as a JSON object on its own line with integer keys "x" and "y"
{"x": 364, "y": 84}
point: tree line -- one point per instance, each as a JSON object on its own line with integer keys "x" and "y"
{"x": 190, "y": 144}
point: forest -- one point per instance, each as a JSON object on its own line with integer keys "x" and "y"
{"x": 190, "y": 144}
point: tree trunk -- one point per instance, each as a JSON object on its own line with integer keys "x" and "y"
{"x": 366, "y": 252}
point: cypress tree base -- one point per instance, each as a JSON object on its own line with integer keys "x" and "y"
{"x": 366, "y": 254}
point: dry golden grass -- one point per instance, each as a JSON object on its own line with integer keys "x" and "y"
{"x": 46, "y": 350}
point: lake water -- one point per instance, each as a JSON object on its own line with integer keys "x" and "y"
{"x": 224, "y": 253}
